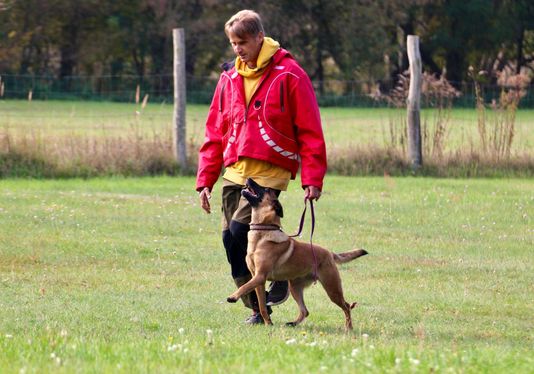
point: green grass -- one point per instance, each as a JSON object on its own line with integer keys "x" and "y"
{"x": 127, "y": 275}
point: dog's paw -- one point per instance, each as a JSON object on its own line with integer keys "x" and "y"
{"x": 231, "y": 299}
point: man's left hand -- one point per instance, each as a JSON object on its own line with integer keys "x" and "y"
{"x": 312, "y": 193}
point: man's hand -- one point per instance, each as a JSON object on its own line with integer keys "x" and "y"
{"x": 205, "y": 197}
{"x": 312, "y": 193}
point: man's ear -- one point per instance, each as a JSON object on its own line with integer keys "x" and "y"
{"x": 278, "y": 208}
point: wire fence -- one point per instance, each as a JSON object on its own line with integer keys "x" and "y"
{"x": 131, "y": 88}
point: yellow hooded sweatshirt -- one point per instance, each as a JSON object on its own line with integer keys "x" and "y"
{"x": 263, "y": 172}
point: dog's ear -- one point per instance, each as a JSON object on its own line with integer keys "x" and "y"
{"x": 278, "y": 208}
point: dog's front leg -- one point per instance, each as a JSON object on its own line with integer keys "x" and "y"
{"x": 262, "y": 304}
{"x": 246, "y": 288}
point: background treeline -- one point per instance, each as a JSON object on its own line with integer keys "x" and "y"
{"x": 351, "y": 49}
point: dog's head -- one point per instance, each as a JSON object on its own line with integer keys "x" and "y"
{"x": 263, "y": 200}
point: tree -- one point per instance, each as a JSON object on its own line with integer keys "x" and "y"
{"x": 334, "y": 39}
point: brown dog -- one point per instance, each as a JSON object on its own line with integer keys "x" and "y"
{"x": 273, "y": 255}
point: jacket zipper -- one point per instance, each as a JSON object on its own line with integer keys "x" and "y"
{"x": 263, "y": 78}
{"x": 221, "y": 97}
{"x": 282, "y": 96}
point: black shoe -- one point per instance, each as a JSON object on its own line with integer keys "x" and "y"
{"x": 277, "y": 293}
{"x": 256, "y": 318}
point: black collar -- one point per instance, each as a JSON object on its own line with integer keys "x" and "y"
{"x": 261, "y": 227}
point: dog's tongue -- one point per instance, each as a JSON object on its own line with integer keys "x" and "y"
{"x": 250, "y": 190}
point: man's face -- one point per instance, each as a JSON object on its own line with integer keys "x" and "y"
{"x": 247, "y": 48}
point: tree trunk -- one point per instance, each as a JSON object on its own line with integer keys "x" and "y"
{"x": 519, "y": 51}
{"x": 455, "y": 69}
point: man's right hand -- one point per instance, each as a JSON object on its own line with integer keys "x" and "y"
{"x": 205, "y": 197}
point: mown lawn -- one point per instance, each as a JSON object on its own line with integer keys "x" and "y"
{"x": 128, "y": 275}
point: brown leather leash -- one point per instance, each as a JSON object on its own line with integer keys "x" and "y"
{"x": 301, "y": 225}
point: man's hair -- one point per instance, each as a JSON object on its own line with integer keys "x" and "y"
{"x": 243, "y": 23}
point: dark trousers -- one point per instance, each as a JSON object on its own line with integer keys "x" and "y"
{"x": 235, "y": 223}
{"x": 236, "y": 219}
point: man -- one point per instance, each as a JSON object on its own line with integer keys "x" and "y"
{"x": 263, "y": 123}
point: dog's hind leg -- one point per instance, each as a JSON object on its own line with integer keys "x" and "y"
{"x": 296, "y": 287}
{"x": 331, "y": 281}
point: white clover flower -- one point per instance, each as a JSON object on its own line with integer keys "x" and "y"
{"x": 181, "y": 330}
{"x": 209, "y": 332}
{"x": 355, "y": 352}
{"x": 291, "y": 341}
{"x": 365, "y": 336}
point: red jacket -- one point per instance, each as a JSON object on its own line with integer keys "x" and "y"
{"x": 281, "y": 124}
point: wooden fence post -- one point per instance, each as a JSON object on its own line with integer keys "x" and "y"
{"x": 178, "y": 37}
{"x": 413, "y": 103}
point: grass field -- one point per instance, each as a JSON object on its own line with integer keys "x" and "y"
{"x": 344, "y": 127}
{"x": 128, "y": 275}
{"x": 87, "y": 139}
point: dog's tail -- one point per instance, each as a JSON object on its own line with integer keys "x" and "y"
{"x": 341, "y": 258}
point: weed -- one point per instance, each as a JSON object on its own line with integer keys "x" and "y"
{"x": 497, "y": 140}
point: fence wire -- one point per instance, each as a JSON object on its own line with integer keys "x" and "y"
{"x": 130, "y": 88}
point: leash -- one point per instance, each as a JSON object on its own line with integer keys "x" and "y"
{"x": 301, "y": 225}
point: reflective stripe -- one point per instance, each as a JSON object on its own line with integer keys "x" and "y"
{"x": 273, "y": 145}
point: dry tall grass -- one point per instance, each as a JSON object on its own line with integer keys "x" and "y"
{"x": 491, "y": 156}
{"x": 437, "y": 93}
{"x": 40, "y": 155}
{"x": 497, "y": 135}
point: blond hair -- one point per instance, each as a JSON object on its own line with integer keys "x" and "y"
{"x": 243, "y": 23}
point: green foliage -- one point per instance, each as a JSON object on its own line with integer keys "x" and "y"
{"x": 127, "y": 275}
{"x": 333, "y": 39}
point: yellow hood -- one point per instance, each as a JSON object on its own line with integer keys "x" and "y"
{"x": 268, "y": 49}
